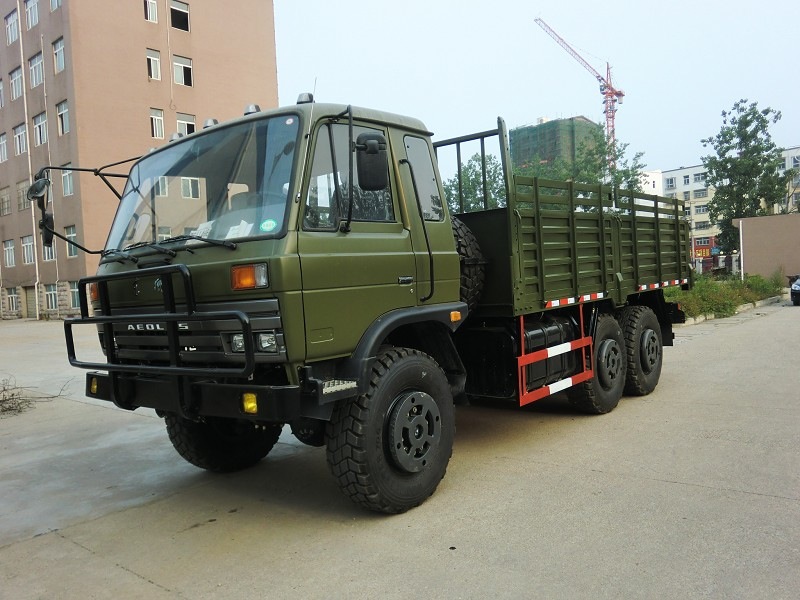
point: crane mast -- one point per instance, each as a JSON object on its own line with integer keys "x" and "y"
{"x": 611, "y": 95}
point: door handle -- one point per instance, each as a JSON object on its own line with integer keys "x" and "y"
{"x": 405, "y": 280}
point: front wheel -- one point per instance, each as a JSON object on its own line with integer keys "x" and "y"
{"x": 601, "y": 393}
{"x": 390, "y": 447}
{"x": 221, "y": 445}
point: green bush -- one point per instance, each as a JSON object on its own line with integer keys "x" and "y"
{"x": 721, "y": 297}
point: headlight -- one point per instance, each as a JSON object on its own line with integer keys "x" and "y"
{"x": 237, "y": 342}
{"x": 267, "y": 342}
{"x": 796, "y": 286}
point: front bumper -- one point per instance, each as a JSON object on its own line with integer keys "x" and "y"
{"x": 198, "y": 398}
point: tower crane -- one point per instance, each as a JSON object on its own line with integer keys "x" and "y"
{"x": 611, "y": 95}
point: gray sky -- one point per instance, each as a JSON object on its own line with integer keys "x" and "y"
{"x": 457, "y": 65}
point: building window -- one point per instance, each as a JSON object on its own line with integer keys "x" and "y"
{"x": 12, "y": 27}
{"x": 687, "y": 212}
{"x": 58, "y": 55}
{"x": 702, "y": 225}
{"x": 32, "y": 12}
{"x": 74, "y": 295}
{"x": 685, "y": 180}
{"x": 2, "y": 94}
{"x": 699, "y": 177}
{"x": 27, "y": 250}
{"x": 185, "y": 124}
{"x": 15, "y": 77}
{"x": 701, "y": 209}
{"x": 162, "y": 187}
{"x": 796, "y": 162}
{"x": 3, "y": 148}
{"x": 669, "y": 183}
{"x": 8, "y": 253}
{"x": 183, "y": 70}
{"x": 190, "y": 187}
{"x": 686, "y": 195}
{"x": 5, "y": 202}
{"x": 164, "y": 233}
{"x": 153, "y": 64}
{"x": 702, "y": 241}
{"x": 151, "y": 11}
{"x": 62, "y": 116}
{"x": 179, "y": 15}
{"x": 66, "y": 181}
{"x": 701, "y": 193}
{"x": 48, "y": 252}
{"x": 54, "y": 4}
{"x": 13, "y": 299}
{"x": 20, "y": 139}
{"x": 36, "y": 66}
{"x": 157, "y": 123}
{"x": 39, "y": 129}
{"x": 51, "y": 296}
{"x": 22, "y": 196}
{"x": 72, "y": 235}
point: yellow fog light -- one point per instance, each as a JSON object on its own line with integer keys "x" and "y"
{"x": 93, "y": 385}
{"x": 250, "y": 403}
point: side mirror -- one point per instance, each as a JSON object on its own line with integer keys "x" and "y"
{"x": 372, "y": 162}
{"x": 46, "y": 227}
{"x": 38, "y": 192}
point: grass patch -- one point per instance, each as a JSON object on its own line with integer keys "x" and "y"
{"x": 721, "y": 297}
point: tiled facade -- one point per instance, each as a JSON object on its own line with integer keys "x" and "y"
{"x": 86, "y": 83}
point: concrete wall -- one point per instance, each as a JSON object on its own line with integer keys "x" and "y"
{"x": 770, "y": 243}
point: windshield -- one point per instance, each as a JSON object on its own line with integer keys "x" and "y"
{"x": 228, "y": 184}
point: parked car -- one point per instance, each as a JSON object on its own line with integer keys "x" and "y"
{"x": 795, "y": 293}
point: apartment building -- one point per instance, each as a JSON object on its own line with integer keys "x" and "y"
{"x": 690, "y": 184}
{"x": 88, "y": 83}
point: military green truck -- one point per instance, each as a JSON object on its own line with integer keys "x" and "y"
{"x": 300, "y": 267}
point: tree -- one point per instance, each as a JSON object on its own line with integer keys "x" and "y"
{"x": 744, "y": 169}
{"x": 472, "y": 186}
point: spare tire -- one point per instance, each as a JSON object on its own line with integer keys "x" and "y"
{"x": 473, "y": 265}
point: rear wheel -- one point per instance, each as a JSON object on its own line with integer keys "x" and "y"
{"x": 221, "y": 445}
{"x": 390, "y": 447}
{"x": 644, "y": 349}
{"x": 601, "y": 394}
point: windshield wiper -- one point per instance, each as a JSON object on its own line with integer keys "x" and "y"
{"x": 154, "y": 245}
{"x": 212, "y": 241}
{"x": 119, "y": 256}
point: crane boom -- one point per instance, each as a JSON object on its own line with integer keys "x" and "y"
{"x": 611, "y": 95}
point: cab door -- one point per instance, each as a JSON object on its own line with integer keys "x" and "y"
{"x": 349, "y": 278}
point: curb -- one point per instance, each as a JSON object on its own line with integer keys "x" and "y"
{"x": 742, "y": 308}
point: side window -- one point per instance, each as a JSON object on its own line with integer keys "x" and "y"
{"x": 425, "y": 177}
{"x": 324, "y": 208}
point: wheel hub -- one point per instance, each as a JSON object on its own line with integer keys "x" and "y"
{"x": 609, "y": 362}
{"x": 414, "y": 430}
{"x": 650, "y": 351}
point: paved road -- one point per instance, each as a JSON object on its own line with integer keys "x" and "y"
{"x": 691, "y": 492}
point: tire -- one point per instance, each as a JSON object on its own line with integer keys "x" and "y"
{"x": 796, "y": 301}
{"x": 601, "y": 394}
{"x": 473, "y": 268}
{"x": 389, "y": 448}
{"x": 644, "y": 349}
{"x": 221, "y": 445}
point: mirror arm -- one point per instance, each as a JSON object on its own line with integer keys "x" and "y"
{"x": 61, "y": 237}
